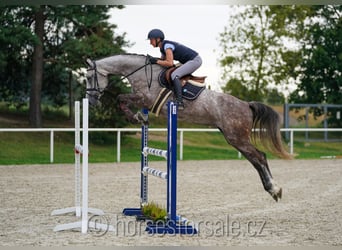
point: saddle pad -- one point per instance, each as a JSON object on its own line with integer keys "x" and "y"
{"x": 191, "y": 92}
{"x": 161, "y": 99}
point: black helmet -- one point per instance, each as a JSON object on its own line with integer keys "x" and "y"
{"x": 156, "y": 33}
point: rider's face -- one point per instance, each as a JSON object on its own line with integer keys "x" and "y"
{"x": 153, "y": 42}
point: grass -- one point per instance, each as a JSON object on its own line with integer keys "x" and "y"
{"x": 34, "y": 147}
{"x": 316, "y": 150}
{"x": 154, "y": 212}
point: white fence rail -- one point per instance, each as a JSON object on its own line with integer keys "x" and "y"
{"x": 180, "y": 130}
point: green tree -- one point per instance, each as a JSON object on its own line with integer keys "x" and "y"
{"x": 88, "y": 35}
{"x": 254, "y": 54}
{"x": 236, "y": 88}
{"x": 15, "y": 55}
{"x": 54, "y": 40}
{"x": 321, "y": 68}
{"x": 37, "y": 68}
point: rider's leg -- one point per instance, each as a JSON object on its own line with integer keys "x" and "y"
{"x": 186, "y": 69}
{"x": 178, "y": 92}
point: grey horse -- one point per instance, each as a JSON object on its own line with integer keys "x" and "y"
{"x": 235, "y": 118}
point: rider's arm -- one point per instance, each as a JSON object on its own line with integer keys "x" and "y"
{"x": 168, "y": 60}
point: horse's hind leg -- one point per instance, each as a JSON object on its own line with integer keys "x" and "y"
{"x": 259, "y": 161}
{"x": 266, "y": 177}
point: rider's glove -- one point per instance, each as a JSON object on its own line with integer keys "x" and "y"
{"x": 153, "y": 60}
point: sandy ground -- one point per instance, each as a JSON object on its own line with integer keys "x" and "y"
{"x": 224, "y": 199}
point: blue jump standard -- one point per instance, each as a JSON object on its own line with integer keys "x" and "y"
{"x": 132, "y": 211}
{"x": 173, "y": 224}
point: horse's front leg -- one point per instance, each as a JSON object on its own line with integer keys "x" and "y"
{"x": 136, "y": 100}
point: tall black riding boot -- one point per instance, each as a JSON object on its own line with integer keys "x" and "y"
{"x": 178, "y": 92}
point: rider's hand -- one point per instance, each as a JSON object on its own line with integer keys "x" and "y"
{"x": 153, "y": 60}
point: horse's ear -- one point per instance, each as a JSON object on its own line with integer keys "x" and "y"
{"x": 89, "y": 63}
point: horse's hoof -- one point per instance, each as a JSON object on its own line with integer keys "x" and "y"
{"x": 277, "y": 196}
{"x": 139, "y": 117}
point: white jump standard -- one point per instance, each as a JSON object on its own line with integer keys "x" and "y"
{"x": 78, "y": 151}
{"x": 174, "y": 224}
{"x": 81, "y": 210}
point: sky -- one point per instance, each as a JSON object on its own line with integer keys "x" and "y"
{"x": 196, "y": 26}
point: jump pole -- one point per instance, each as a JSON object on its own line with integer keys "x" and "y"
{"x": 84, "y": 224}
{"x": 174, "y": 222}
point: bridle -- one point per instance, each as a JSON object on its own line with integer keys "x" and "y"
{"x": 95, "y": 82}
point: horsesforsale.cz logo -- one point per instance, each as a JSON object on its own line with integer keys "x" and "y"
{"x": 226, "y": 226}
{"x": 99, "y": 225}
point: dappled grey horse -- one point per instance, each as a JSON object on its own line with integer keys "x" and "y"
{"x": 233, "y": 117}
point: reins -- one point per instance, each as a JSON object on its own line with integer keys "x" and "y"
{"x": 97, "y": 88}
{"x": 147, "y": 62}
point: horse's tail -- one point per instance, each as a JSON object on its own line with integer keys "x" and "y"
{"x": 266, "y": 123}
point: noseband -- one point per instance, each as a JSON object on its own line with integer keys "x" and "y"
{"x": 95, "y": 82}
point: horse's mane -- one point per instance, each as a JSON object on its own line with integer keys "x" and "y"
{"x": 128, "y": 54}
{"x": 121, "y": 54}
{"x": 131, "y": 54}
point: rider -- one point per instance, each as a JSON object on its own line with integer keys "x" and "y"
{"x": 170, "y": 51}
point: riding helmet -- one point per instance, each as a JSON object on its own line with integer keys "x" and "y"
{"x": 156, "y": 33}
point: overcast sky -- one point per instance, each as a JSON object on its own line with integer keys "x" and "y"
{"x": 196, "y": 26}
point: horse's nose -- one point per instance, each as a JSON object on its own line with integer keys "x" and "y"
{"x": 93, "y": 101}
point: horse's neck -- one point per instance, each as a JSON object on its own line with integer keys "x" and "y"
{"x": 120, "y": 64}
{"x": 127, "y": 65}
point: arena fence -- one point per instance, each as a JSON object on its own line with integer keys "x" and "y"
{"x": 181, "y": 132}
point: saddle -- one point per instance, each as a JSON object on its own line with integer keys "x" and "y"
{"x": 192, "y": 86}
{"x": 196, "y": 80}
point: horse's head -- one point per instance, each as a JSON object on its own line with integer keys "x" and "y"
{"x": 135, "y": 68}
{"x": 96, "y": 83}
